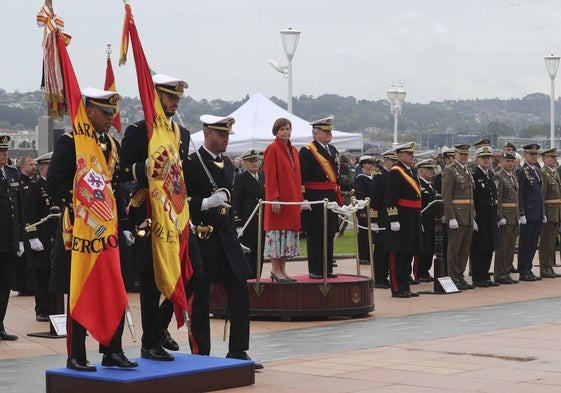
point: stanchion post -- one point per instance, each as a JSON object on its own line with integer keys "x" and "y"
{"x": 258, "y": 287}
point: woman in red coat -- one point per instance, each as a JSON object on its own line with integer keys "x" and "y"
{"x": 283, "y": 183}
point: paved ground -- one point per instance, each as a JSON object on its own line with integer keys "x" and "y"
{"x": 483, "y": 340}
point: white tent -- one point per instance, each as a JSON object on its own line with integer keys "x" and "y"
{"x": 254, "y": 123}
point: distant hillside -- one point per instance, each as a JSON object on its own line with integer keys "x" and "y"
{"x": 526, "y": 117}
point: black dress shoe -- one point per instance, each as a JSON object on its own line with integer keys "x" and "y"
{"x": 364, "y": 262}
{"x": 7, "y": 337}
{"x": 492, "y": 283}
{"x": 505, "y": 281}
{"x": 382, "y": 285}
{"x": 117, "y": 360}
{"x": 41, "y": 318}
{"x": 315, "y": 276}
{"x": 332, "y": 275}
{"x": 402, "y": 295}
{"x": 242, "y": 355}
{"x": 80, "y": 365}
{"x": 169, "y": 343}
{"x": 526, "y": 277}
{"x": 480, "y": 284}
{"x": 467, "y": 285}
{"x": 155, "y": 353}
{"x": 548, "y": 275}
{"x": 412, "y": 281}
{"x": 413, "y": 294}
{"x": 427, "y": 278}
{"x": 537, "y": 278}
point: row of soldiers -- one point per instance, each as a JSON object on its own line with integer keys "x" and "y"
{"x": 487, "y": 204}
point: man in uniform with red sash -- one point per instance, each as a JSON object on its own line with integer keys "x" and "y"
{"x": 404, "y": 233}
{"x": 319, "y": 168}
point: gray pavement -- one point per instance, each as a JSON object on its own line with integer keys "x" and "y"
{"x": 27, "y": 375}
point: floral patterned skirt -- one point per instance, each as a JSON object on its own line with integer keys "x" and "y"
{"x": 282, "y": 244}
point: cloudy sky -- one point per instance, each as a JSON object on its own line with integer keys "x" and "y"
{"x": 438, "y": 49}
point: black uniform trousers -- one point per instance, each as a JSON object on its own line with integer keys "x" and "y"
{"x": 480, "y": 269}
{"x": 42, "y": 294}
{"x": 7, "y": 263}
{"x": 151, "y": 314}
{"x": 400, "y": 265}
{"x": 423, "y": 262}
{"x": 527, "y": 245}
{"x": 238, "y": 300}
{"x": 76, "y": 340}
{"x": 381, "y": 265}
{"x": 364, "y": 246}
{"x": 314, "y": 242}
{"x": 250, "y": 240}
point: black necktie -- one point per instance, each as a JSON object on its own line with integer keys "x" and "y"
{"x": 218, "y": 158}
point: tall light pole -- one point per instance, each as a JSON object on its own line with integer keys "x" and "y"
{"x": 551, "y": 64}
{"x": 290, "y": 39}
{"x": 396, "y": 96}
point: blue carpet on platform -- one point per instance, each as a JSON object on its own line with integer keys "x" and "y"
{"x": 151, "y": 369}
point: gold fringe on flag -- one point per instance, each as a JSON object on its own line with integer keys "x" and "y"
{"x": 52, "y": 82}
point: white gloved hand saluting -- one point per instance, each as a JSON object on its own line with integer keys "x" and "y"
{"x": 394, "y": 226}
{"x": 219, "y": 198}
{"x": 36, "y": 244}
{"x": 522, "y": 220}
{"x": 20, "y": 249}
{"x": 453, "y": 224}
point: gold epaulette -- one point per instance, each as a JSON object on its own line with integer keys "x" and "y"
{"x": 373, "y": 213}
{"x": 138, "y": 197}
{"x": 392, "y": 211}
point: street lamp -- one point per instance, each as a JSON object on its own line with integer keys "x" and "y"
{"x": 289, "y": 39}
{"x": 551, "y": 64}
{"x": 396, "y": 96}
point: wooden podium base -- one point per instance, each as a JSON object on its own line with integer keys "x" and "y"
{"x": 187, "y": 373}
{"x": 346, "y": 295}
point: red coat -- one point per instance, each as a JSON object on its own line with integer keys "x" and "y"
{"x": 283, "y": 182}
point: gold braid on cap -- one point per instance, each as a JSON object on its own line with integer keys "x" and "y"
{"x": 176, "y": 89}
{"x": 222, "y": 126}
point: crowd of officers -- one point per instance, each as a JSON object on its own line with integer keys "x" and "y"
{"x": 484, "y": 204}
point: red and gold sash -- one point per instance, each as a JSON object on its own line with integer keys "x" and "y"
{"x": 412, "y": 182}
{"x": 329, "y": 172}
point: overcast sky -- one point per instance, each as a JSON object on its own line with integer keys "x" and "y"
{"x": 438, "y": 49}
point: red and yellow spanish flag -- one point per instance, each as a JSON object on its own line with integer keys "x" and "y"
{"x": 168, "y": 206}
{"x": 111, "y": 86}
{"x": 97, "y": 293}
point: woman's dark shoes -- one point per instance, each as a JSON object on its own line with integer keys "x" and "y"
{"x": 156, "y": 353}
{"x": 281, "y": 278}
{"x": 7, "y": 337}
{"x": 242, "y": 355}
{"x": 80, "y": 365}
{"x": 169, "y": 343}
{"x": 117, "y": 359}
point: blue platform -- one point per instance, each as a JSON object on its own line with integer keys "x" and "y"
{"x": 187, "y": 373}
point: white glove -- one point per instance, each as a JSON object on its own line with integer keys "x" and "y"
{"x": 374, "y": 226}
{"x": 544, "y": 220}
{"x": 394, "y": 226}
{"x": 522, "y": 220}
{"x": 20, "y": 250}
{"x": 239, "y": 230}
{"x": 502, "y": 222}
{"x": 219, "y": 198}
{"x": 475, "y": 227}
{"x": 305, "y": 205}
{"x": 129, "y": 238}
{"x": 36, "y": 244}
{"x": 453, "y": 224}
